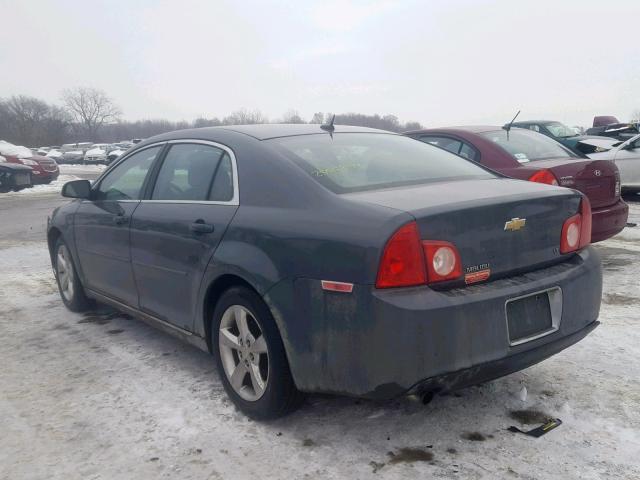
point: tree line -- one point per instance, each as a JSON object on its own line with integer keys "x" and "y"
{"x": 90, "y": 115}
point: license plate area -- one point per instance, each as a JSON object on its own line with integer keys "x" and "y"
{"x": 21, "y": 179}
{"x": 533, "y": 316}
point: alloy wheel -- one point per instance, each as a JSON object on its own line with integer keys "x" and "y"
{"x": 64, "y": 270}
{"x": 244, "y": 353}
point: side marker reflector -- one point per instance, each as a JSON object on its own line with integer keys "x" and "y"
{"x": 337, "y": 286}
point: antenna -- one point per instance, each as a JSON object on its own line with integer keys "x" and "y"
{"x": 328, "y": 127}
{"x": 507, "y": 127}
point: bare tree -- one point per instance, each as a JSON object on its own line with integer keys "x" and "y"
{"x": 245, "y": 117}
{"x": 90, "y": 108}
{"x": 31, "y": 121}
{"x": 318, "y": 118}
{"x": 292, "y": 116}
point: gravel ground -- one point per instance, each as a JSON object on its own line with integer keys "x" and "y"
{"x": 105, "y": 396}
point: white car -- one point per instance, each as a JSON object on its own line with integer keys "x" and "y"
{"x": 97, "y": 153}
{"x": 626, "y": 156}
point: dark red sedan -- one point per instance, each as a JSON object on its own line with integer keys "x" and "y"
{"x": 529, "y": 155}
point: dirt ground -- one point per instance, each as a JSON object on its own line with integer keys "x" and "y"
{"x": 102, "y": 396}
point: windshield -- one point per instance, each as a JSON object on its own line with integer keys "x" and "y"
{"x": 352, "y": 162}
{"x": 526, "y": 146}
{"x": 560, "y": 130}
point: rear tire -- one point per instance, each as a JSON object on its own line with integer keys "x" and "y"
{"x": 251, "y": 357}
{"x": 69, "y": 285}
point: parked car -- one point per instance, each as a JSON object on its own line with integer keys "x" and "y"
{"x": 568, "y": 136}
{"x": 331, "y": 259}
{"x": 528, "y": 155}
{"x": 610, "y": 126}
{"x": 13, "y": 176}
{"x": 54, "y": 154}
{"x": 97, "y": 153}
{"x": 43, "y": 169}
{"x": 626, "y": 156}
{"x": 73, "y": 153}
{"x": 113, "y": 155}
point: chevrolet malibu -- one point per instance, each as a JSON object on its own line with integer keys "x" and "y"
{"x": 330, "y": 259}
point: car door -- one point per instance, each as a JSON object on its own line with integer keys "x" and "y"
{"x": 627, "y": 158}
{"x": 176, "y": 229}
{"x": 101, "y": 227}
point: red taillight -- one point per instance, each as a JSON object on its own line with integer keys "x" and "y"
{"x": 443, "y": 261}
{"x": 407, "y": 261}
{"x": 402, "y": 263}
{"x": 576, "y": 231}
{"x": 544, "y": 176}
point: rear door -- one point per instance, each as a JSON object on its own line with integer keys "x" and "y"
{"x": 177, "y": 227}
{"x": 101, "y": 227}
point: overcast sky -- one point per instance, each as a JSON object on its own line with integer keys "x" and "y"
{"x": 437, "y": 62}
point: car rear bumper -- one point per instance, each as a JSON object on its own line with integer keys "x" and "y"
{"x": 383, "y": 343}
{"x": 608, "y": 221}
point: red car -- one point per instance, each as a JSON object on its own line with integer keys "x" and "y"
{"x": 529, "y": 155}
{"x": 44, "y": 169}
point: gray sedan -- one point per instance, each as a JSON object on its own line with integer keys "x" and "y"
{"x": 342, "y": 260}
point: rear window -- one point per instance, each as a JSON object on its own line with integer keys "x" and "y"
{"x": 352, "y": 162}
{"x": 526, "y": 146}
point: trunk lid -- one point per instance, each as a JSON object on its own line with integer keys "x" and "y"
{"x": 473, "y": 214}
{"x": 595, "y": 178}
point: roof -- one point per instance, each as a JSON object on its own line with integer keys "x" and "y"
{"x": 465, "y": 128}
{"x": 538, "y": 122}
{"x": 266, "y": 131}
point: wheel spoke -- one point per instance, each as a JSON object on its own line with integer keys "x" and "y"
{"x": 256, "y": 379}
{"x": 238, "y": 376}
{"x": 240, "y": 315}
{"x": 259, "y": 345}
{"x": 228, "y": 339}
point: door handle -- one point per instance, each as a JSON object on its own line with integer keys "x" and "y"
{"x": 200, "y": 227}
{"x": 120, "y": 219}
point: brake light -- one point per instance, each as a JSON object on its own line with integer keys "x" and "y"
{"x": 402, "y": 263}
{"x": 576, "y": 231}
{"x": 544, "y": 176}
{"x": 443, "y": 261}
{"x": 407, "y": 261}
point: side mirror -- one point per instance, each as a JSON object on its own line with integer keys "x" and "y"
{"x": 77, "y": 189}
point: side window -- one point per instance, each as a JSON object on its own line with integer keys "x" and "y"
{"x": 125, "y": 181}
{"x": 445, "y": 143}
{"x": 535, "y": 128}
{"x": 194, "y": 172}
{"x": 468, "y": 152}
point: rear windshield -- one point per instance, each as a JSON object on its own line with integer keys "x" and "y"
{"x": 353, "y": 162}
{"x": 526, "y": 146}
{"x": 560, "y": 130}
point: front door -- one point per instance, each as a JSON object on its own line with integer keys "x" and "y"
{"x": 175, "y": 232}
{"x": 102, "y": 228}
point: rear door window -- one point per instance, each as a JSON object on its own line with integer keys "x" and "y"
{"x": 452, "y": 145}
{"x": 194, "y": 172}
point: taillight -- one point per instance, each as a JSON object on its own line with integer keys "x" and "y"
{"x": 544, "y": 176}
{"x": 407, "y": 261}
{"x": 443, "y": 261}
{"x": 402, "y": 263}
{"x": 576, "y": 231}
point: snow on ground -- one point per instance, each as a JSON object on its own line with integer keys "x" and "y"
{"x": 81, "y": 169}
{"x": 105, "y": 396}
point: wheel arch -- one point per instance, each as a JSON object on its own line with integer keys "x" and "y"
{"x": 214, "y": 291}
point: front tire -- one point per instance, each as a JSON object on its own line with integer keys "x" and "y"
{"x": 69, "y": 286}
{"x": 250, "y": 356}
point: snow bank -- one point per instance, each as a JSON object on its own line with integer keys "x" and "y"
{"x": 53, "y": 187}
{"x": 80, "y": 169}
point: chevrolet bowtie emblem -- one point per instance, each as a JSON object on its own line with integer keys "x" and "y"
{"x": 514, "y": 224}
